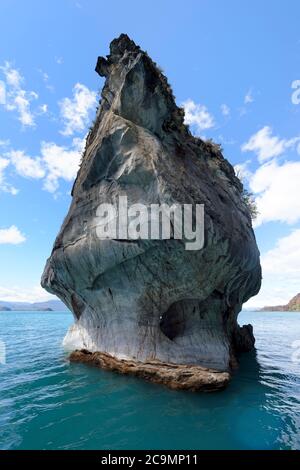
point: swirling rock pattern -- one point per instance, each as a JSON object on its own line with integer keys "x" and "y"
{"x": 152, "y": 300}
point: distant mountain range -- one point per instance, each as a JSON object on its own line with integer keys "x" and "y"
{"x": 292, "y": 306}
{"x": 58, "y": 306}
{"x": 49, "y": 306}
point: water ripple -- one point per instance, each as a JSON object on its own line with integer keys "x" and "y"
{"x": 47, "y": 403}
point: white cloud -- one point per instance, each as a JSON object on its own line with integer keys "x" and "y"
{"x": 225, "y": 110}
{"x": 61, "y": 162}
{"x": 4, "y": 186}
{"x": 2, "y": 92}
{"x": 43, "y": 109}
{"x": 17, "y": 98}
{"x": 281, "y": 272}
{"x": 285, "y": 257}
{"x": 75, "y": 112}
{"x": 242, "y": 170}
{"x": 267, "y": 146}
{"x": 275, "y": 185}
{"x": 197, "y": 115}
{"x": 11, "y": 236}
{"x": 45, "y": 78}
{"x": 26, "y": 166}
{"x": 226, "y": 140}
{"x": 4, "y": 143}
{"x": 3, "y": 164}
{"x": 59, "y": 60}
{"x": 54, "y": 163}
{"x": 21, "y": 294}
{"x": 21, "y": 103}
{"x": 248, "y": 97}
{"x": 278, "y": 192}
{"x": 50, "y": 88}
{"x": 13, "y": 76}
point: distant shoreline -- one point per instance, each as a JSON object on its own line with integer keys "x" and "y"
{"x": 48, "y": 306}
{"x": 292, "y": 306}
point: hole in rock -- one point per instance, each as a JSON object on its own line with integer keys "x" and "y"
{"x": 172, "y": 322}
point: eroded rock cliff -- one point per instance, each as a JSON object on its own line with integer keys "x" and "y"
{"x": 153, "y": 300}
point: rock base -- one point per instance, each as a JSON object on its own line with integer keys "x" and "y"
{"x": 174, "y": 376}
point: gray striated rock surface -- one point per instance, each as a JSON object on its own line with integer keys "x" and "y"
{"x": 153, "y": 300}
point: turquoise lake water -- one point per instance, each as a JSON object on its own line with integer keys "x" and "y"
{"x": 47, "y": 403}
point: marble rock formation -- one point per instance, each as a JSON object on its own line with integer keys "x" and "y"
{"x": 152, "y": 301}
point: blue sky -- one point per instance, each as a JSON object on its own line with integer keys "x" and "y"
{"x": 235, "y": 65}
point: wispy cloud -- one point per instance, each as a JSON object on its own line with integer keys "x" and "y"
{"x": 197, "y": 115}
{"x": 11, "y": 236}
{"x": 19, "y": 293}
{"x": 285, "y": 256}
{"x": 13, "y": 76}
{"x": 266, "y": 145}
{"x": 44, "y": 75}
{"x": 75, "y": 111}
{"x": 43, "y": 109}
{"x": 276, "y": 189}
{"x": 4, "y": 185}
{"x": 248, "y": 97}
{"x": 225, "y": 110}
{"x": 54, "y": 163}
{"x": 2, "y": 92}
{"x": 17, "y": 98}
{"x": 45, "y": 78}
{"x": 25, "y": 165}
{"x": 277, "y": 192}
{"x": 275, "y": 184}
{"x": 281, "y": 272}
{"x": 61, "y": 162}
{"x": 242, "y": 170}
